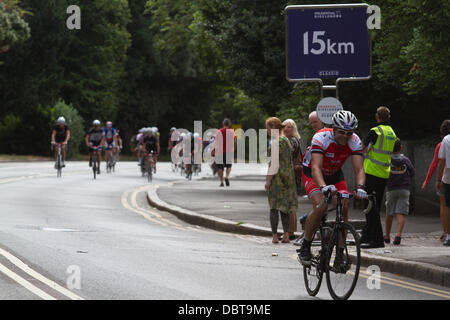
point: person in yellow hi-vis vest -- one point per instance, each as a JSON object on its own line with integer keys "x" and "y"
{"x": 378, "y": 147}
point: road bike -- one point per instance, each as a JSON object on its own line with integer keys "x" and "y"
{"x": 94, "y": 158}
{"x": 111, "y": 161}
{"x": 340, "y": 260}
{"x": 147, "y": 167}
{"x": 58, "y": 163}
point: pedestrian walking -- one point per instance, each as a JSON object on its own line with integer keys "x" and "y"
{"x": 378, "y": 147}
{"x": 224, "y": 152}
{"x": 443, "y": 185}
{"x": 290, "y": 131}
{"x": 397, "y": 195}
{"x": 431, "y": 170}
{"x": 280, "y": 183}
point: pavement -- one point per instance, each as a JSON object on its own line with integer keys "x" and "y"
{"x": 243, "y": 208}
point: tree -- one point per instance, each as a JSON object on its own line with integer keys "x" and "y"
{"x": 13, "y": 28}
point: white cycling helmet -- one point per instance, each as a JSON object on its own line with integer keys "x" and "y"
{"x": 61, "y": 120}
{"x": 345, "y": 120}
{"x": 196, "y": 135}
{"x": 173, "y": 129}
{"x": 96, "y": 122}
{"x": 141, "y": 130}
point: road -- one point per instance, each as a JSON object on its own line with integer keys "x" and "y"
{"x": 80, "y": 238}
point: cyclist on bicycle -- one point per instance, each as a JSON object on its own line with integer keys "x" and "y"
{"x": 61, "y": 135}
{"x": 151, "y": 144}
{"x": 119, "y": 141}
{"x": 95, "y": 138}
{"x": 322, "y": 173}
{"x": 155, "y": 157}
{"x": 110, "y": 140}
{"x": 171, "y": 144}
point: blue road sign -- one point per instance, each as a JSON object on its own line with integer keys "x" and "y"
{"x": 327, "y": 42}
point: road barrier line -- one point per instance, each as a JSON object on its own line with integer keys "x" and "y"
{"x": 53, "y": 285}
{"x": 411, "y": 286}
{"x": 143, "y": 214}
{"x": 26, "y": 284}
{"x": 418, "y": 286}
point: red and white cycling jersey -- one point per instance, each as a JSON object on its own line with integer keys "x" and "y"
{"x": 334, "y": 155}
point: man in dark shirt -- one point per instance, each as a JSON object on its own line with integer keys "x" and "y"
{"x": 61, "y": 135}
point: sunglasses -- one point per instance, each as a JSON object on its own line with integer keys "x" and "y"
{"x": 347, "y": 133}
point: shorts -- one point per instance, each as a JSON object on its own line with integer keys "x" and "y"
{"x": 109, "y": 146}
{"x": 397, "y": 202}
{"x": 60, "y": 139}
{"x": 224, "y": 163}
{"x": 95, "y": 143}
{"x": 446, "y": 190}
{"x": 336, "y": 179}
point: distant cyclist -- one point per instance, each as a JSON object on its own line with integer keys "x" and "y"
{"x": 61, "y": 135}
{"x": 171, "y": 144}
{"x": 155, "y": 157}
{"x": 119, "y": 141}
{"x": 322, "y": 173}
{"x": 151, "y": 144}
{"x": 110, "y": 139}
{"x": 95, "y": 138}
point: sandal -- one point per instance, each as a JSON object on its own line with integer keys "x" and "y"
{"x": 443, "y": 237}
{"x": 397, "y": 240}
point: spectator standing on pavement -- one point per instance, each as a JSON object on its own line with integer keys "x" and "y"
{"x": 290, "y": 131}
{"x": 443, "y": 185}
{"x": 280, "y": 185}
{"x": 397, "y": 195}
{"x": 224, "y": 152}
{"x": 378, "y": 147}
{"x": 431, "y": 170}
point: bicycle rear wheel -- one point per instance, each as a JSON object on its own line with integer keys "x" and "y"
{"x": 313, "y": 275}
{"x": 343, "y": 264}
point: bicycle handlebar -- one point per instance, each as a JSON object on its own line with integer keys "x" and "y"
{"x": 327, "y": 198}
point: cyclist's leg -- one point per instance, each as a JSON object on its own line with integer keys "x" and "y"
{"x": 315, "y": 217}
{"x": 63, "y": 146}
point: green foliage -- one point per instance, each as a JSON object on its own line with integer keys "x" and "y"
{"x": 238, "y": 107}
{"x": 75, "y": 123}
{"x": 13, "y": 28}
{"x": 8, "y": 126}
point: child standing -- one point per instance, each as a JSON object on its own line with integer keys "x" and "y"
{"x": 397, "y": 195}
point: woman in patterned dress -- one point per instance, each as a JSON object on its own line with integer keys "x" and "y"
{"x": 280, "y": 181}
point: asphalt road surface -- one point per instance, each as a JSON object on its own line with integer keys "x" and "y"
{"x": 79, "y": 238}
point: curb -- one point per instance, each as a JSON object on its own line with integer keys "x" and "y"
{"x": 203, "y": 220}
{"x": 416, "y": 270}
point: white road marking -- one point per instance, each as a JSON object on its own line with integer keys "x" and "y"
{"x": 21, "y": 265}
{"x": 26, "y": 284}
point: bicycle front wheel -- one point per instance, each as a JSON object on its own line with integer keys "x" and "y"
{"x": 343, "y": 261}
{"x": 313, "y": 274}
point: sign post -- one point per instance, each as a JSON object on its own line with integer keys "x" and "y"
{"x": 327, "y": 42}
